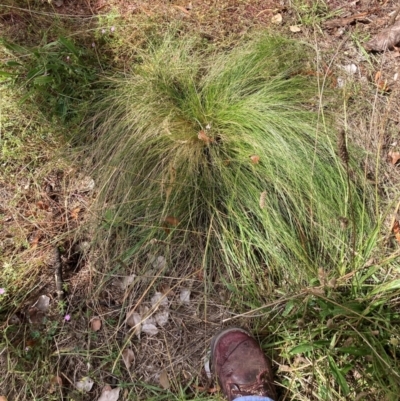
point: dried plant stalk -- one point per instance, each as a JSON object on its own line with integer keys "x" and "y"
{"x": 342, "y": 146}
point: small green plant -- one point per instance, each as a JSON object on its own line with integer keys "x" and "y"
{"x": 310, "y": 12}
{"x": 59, "y": 74}
{"x": 223, "y": 157}
{"x": 347, "y": 332}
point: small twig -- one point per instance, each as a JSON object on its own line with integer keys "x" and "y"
{"x": 250, "y": 313}
{"x": 338, "y": 22}
{"x": 394, "y": 16}
{"x": 90, "y": 7}
{"x": 266, "y": 10}
{"x": 58, "y": 273}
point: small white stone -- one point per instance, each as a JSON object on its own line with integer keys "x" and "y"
{"x": 84, "y": 384}
{"x": 340, "y": 83}
{"x": 110, "y": 394}
{"x": 350, "y": 68}
{"x": 43, "y": 303}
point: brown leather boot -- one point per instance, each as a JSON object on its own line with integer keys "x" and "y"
{"x": 240, "y": 365}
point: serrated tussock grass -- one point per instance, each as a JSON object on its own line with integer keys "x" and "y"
{"x": 223, "y": 159}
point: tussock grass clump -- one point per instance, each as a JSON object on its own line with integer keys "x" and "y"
{"x": 223, "y": 160}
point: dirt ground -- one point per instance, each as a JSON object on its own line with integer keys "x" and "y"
{"x": 51, "y": 207}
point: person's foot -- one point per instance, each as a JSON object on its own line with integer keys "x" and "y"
{"x": 240, "y": 365}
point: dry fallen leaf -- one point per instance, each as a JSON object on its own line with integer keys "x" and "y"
{"x": 285, "y": 368}
{"x": 95, "y": 323}
{"x": 393, "y": 157}
{"x": 34, "y": 240}
{"x": 381, "y": 83}
{"x": 84, "y": 384}
{"x": 158, "y": 262}
{"x": 277, "y": 19}
{"x": 166, "y": 289}
{"x": 161, "y": 318}
{"x": 150, "y": 320}
{"x": 317, "y": 292}
{"x": 378, "y": 76}
{"x": 159, "y": 299}
{"x": 204, "y": 137}
{"x": 134, "y": 320}
{"x": 184, "y": 296}
{"x": 109, "y": 394}
{"x": 321, "y": 276}
{"x": 295, "y": 28}
{"x": 127, "y": 281}
{"x": 396, "y": 230}
{"x": 75, "y": 213}
{"x": 255, "y": 159}
{"x": 55, "y": 383}
{"x": 144, "y": 311}
{"x": 128, "y": 357}
{"x": 42, "y": 206}
{"x": 332, "y": 283}
{"x": 386, "y": 39}
{"x": 171, "y": 220}
{"x": 56, "y": 380}
{"x": 164, "y": 381}
{"x": 150, "y": 329}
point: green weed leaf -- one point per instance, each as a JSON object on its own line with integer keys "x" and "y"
{"x": 393, "y": 285}
{"x": 12, "y": 63}
{"x": 357, "y": 351}
{"x": 43, "y": 80}
{"x": 15, "y": 48}
{"x": 337, "y": 373}
{"x": 307, "y": 347}
{"x": 6, "y": 74}
{"x": 69, "y": 45}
